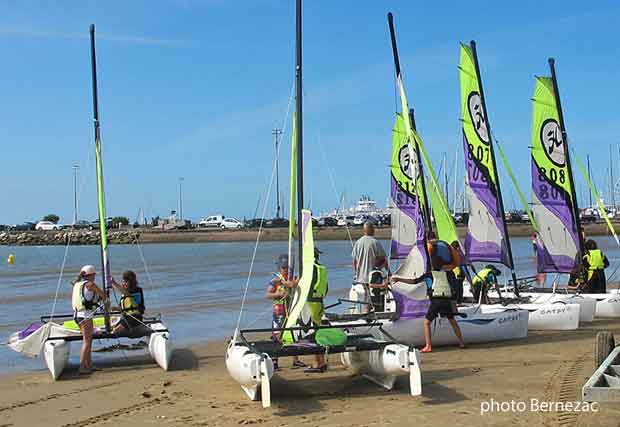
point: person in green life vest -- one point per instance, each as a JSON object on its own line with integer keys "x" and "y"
{"x": 595, "y": 263}
{"x": 484, "y": 280}
{"x": 131, "y": 303}
{"x": 315, "y": 304}
{"x": 279, "y": 291}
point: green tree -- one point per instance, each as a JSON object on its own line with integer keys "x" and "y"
{"x": 51, "y": 217}
{"x": 119, "y": 220}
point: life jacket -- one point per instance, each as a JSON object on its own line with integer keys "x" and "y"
{"x": 320, "y": 286}
{"x": 317, "y": 293}
{"x": 441, "y": 285}
{"x": 133, "y": 304}
{"x": 482, "y": 276}
{"x": 78, "y": 299}
{"x": 596, "y": 261}
{"x": 280, "y": 285}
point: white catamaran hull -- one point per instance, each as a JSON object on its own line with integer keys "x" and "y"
{"x": 56, "y": 355}
{"x": 607, "y": 305}
{"x": 557, "y": 316}
{"x": 160, "y": 346}
{"x": 249, "y": 369}
{"x": 384, "y": 366}
{"x": 477, "y": 326}
{"x": 587, "y": 306}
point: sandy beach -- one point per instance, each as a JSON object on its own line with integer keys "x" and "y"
{"x": 549, "y": 366}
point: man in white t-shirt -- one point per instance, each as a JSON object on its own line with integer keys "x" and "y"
{"x": 368, "y": 255}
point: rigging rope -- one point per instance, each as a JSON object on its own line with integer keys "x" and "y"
{"x": 260, "y": 227}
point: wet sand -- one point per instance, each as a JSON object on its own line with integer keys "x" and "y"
{"x": 549, "y": 366}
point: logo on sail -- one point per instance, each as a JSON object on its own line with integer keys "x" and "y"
{"x": 553, "y": 142}
{"x": 476, "y": 112}
{"x": 407, "y": 164}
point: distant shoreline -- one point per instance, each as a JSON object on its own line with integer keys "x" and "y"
{"x": 128, "y": 236}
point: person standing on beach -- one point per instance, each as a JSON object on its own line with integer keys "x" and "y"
{"x": 367, "y": 254}
{"x": 84, "y": 299}
{"x": 595, "y": 262}
{"x": 278, "y": 292}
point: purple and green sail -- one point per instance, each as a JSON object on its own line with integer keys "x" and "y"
{"x": 486, "y": 239}
{"x": 407, "y": 195}
{"x": 553, "y": 205}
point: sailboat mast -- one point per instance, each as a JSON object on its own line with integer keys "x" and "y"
{"x": 426, "y": 212}
{"x": 105, "y": 266}
{"x": 300, "y": 133}
{"x": 590, "y": 178}
{"x": 500, "y": 200}
{"x": 566, "y": 150}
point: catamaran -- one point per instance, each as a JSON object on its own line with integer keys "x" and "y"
{"x": 376, "y": 357}
{"x": 487, "y": 238}
{"x": 405, "y": 304}
{"x": 51, "y": 335}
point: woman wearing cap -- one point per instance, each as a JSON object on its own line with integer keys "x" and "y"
{"x": 86, "y": 294}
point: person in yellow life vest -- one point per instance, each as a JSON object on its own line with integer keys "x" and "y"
{"x": 318, "y": 292}
{"x": 595, "y": 263}
{"x": 85, "y": 299}
{"x": 279, "y": 291}
{"x": 484, "y": 280}
{"x": 131, "y": 303}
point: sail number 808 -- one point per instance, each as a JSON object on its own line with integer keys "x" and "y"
{"x": 553, "y": 175}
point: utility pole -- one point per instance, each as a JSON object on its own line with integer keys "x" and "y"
{"x": 75, "y": 200}
{"x": 181, "y": 179}
{"x": 277, "y": 132}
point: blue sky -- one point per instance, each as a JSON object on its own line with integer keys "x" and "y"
{"x": 193, "y": 88}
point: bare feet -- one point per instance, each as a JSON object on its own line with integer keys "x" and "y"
{"x": 426, "y": 349}
{"x": 462, "y": 345}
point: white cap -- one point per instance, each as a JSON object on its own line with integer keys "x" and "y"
{"x": 88, "y": 270}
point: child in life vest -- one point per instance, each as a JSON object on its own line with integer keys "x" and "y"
{"x": 279, "y": 292}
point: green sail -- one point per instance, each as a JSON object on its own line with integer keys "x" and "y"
{"x": 446, "y": 229}
{"x": 299, "y": 313}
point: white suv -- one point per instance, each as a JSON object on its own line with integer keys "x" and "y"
{"x": 211, "y": 221}
{"x": 47, "y": 225}
{"x": 230, "y": 223}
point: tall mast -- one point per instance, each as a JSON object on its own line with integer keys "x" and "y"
{"x": 300, "y": 133}
{"x": 105, "y": 266}
{"x": 567, "y": 152}
{"x": 590, "y": 178}
{"x": 500, "y": 200}
{"x": 426, "y": 212}
{"x": 612, "y": 196}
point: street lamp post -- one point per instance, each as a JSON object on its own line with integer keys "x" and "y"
{"x": 75, "y": 200}
{"x": 276, "y": 133}
{"x": 181, "y": 179}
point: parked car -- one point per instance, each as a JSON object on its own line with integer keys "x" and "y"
{"x": 212, "y": 221}
{"x": 47, "y": 225}
{"x": 81, "y": 224}
{"x": 363, "y": 218}
{"x": 345, "y": 220}
{"x": 327, "y": 221}
{"x": 254, "y": 222}
{"x": 588, "y": 215}
{"x": 384, "y": 219}
{"x": 230, "y": 223}
{"x": 94, "y": 225}
{"x": 25, "y": 226}
{"x": 276, "y": 223}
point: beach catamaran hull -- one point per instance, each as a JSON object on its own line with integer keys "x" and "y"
{"x": 56, "y": 355}
{"x": 558, "y": 316}
{"x": 477, "y": 326}
{"x": 249, "y": 369}
{"x": 587, "y": 306}
{"x": 160, "y": 346}
{"x": 607, "y": 305}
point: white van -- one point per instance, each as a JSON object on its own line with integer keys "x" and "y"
{"x": 212, "y": 221}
